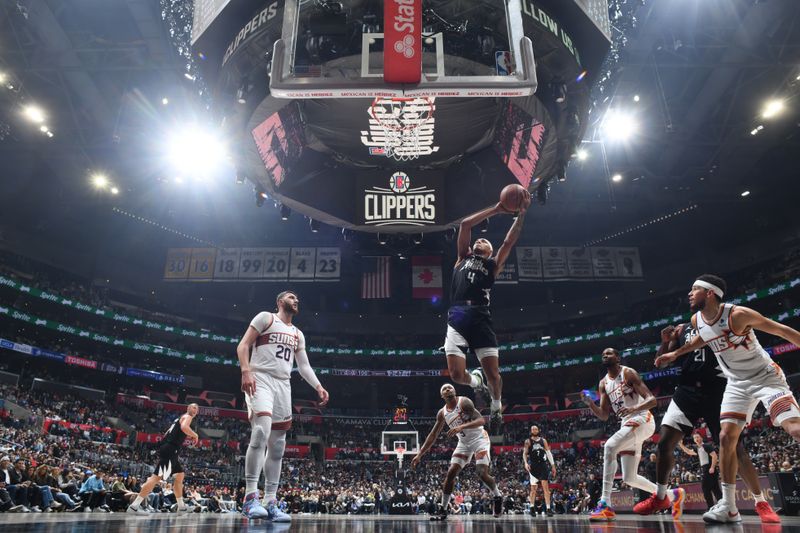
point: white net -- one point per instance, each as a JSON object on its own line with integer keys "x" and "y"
{"x": 404, "y": 123}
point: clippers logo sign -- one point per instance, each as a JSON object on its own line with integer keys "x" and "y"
{"x": 402, "y": 55}
{"x": 399, "y": 204}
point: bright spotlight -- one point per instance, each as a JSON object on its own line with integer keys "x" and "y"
{"x": 636, "y": 98}
{"x": 616, "y": 178}
{"x": 745, "y": 193}
{"x": 43, "y": 128}
{"x": 773, "y": 108}
{"x": 114, "y": 190}
{"x": 196, "y": 153}
{"x": 619, "y": 126}
{"x": 164, "y": 101}
{"x": 100, "y": 181}
{"x": 49, "y": 133}
{"x": 581, "y": 154}
{"x": 757, "y": 129}
{"x": 34, "y": 114}
{"x": 2, "y": 77}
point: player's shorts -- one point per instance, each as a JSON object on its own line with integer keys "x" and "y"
{"x": 168, "y": 463}
{"x": 631, "y": 436}
{"x": 689, "y": 405}
{"x": 273, "y": 397}
{"x": 469, "y": 327}
{"x": 768, "y": 387}
{"x": 539, "y": 472}
{"x": 480, "y": 447}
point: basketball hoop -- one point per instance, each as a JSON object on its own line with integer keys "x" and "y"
{"x": 402, "y": 120}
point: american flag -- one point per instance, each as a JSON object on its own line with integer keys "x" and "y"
{"x": 375, "y": 282}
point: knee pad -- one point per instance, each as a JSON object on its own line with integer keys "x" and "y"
{"x": 277, "y": 444}
{"x": 258, "y": 435}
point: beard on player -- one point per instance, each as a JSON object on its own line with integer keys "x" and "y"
{"x": 290, "y": 305}
{"x": 482, "y": 248}
{"x": 610, "y": 357}
{"x": 534, "y": 431}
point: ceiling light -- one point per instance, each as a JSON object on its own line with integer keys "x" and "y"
{"x": 114, "y": 190}
{"x": 34, "y": 114}
{"x": 619, "y": 126}
{"x": 49, "y": 133}
{"x": 100, "y": 181}
{"x": 636, "y": 98}
{"x": 616, "y": 178}
{"x": 745, "y": 193}
{"x": 772, "y": 108}
{"x": 196, "y": 153}
{"x": 757, "y": 129}
{"x": 3, "y": 77}
{"x": 581, "y": 154}
{"x": 164, "y": 101}
{"x": 314, "y": 225}
{"x": 43, "y": 128}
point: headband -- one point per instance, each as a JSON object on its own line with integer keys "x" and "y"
{"x": 709, "y": 286}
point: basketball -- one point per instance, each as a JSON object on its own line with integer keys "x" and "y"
{"x": 512, "y": 196}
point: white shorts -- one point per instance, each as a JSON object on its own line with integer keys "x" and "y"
{"x": 455, "y": 343}
{"x": 273, "y": 397}
{"x": 479, "y": 447}
{"x": 768, "y": 387}
{"x": 675, "y": 418}
{"x": 631, "y": 436}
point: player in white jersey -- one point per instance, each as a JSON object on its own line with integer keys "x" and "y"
{"x": 275, "y": 344}
{"x": 752, "y": 376}
{"x": 623, "y": 391}
{"x": 464, "y": 421}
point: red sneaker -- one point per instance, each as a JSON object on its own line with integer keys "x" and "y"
{"x": 652, "y": 505}
{"x": 766, "y": 513}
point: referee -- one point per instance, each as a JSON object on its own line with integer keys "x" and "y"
{"x": 708, "y": 464}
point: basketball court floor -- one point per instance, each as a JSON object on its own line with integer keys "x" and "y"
{"x": 202, "y": 523}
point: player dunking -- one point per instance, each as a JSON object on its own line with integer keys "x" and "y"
{"x": 275, "y": 343}
{"x": 536, "y": 455}
{"x": 168, "y": 463}
{"x": 698, "y": 395}
{"x": 464, "y": 421}
{"x": 623, "y": 391}
{"x": 752, "y": 376}
{"x": 469, "y": 321}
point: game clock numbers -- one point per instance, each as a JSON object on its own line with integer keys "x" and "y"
{"x": 400, "y": 415}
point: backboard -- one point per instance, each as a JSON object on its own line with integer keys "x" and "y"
{"x": 393, "y": 441}
{"x": 371, "y": 48}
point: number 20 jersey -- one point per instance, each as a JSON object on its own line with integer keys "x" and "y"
{"x": 275, "y": 346}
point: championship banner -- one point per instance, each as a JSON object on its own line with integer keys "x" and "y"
{"x": 529, "y": 263}
{"x": 426, "y": 276}
{"x": 509, "y": 274}
{"x": 579, "y": 262}
{"x": 554, "y": 263}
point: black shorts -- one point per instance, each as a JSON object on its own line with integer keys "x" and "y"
{"x": 696, "y": 403}
{"x": 168, "y": 463}
{"x": 474, "y": 324}
{"x": 540, "y": 471}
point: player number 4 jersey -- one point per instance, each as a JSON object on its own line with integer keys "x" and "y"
{"x": 275, "y": 346}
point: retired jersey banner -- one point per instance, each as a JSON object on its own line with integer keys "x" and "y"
{"x": 426, "y": 276}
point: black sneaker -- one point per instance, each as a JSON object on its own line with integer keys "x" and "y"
{"x": 496, "y": 422}
{"x": 440, "y": 515}
{"x": 549, "y": 512}
{"x": 498, "y": 506}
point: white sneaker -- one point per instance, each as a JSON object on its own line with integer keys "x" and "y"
{"x": 721, "y": 514}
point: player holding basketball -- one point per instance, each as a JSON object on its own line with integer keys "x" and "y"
{"x": 536, "y": 455}
{"x": 752, "y": 376}
{"x": 168, "y": 463}
{"x": 275, "y": 343}
{"x": 623, "y": 391}
{"x": 464, "y": 421}
{"x": 469, "y": 321}
{"x": 698, "y": 395}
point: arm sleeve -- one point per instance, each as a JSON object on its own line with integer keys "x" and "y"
{"x": 303, "y": 366}
{"x": 262, "y": 321}
{"x": 550, "y": 459}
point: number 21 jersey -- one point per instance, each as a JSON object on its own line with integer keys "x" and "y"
{"x": 275, "y": 346}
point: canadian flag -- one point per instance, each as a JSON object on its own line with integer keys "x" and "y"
{"x": 426, "y": 276}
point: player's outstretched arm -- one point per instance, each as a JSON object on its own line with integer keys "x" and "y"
{"x": 465, "y": 228}
{"x": 512, "y": 236}
{"x": 669, "y": 339}
{"x": 432, "y": 436}
{"x": 696, "y": 343}
{"x": 305, "y": 370}
{"x": 602, "y": 411}
{"x": 648, "y": 399}
{"x": 743, "y": 318}
{"x": 686, "y": 450}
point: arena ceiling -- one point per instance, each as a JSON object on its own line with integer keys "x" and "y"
{"x": 702, "y": 71}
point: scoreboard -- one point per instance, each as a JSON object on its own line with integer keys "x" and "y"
{"x": 253, "y": 264}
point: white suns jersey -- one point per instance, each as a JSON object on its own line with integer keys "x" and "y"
{"x": 275, "y": 346}
{"x": 621, "y": 394}
{"x": 741, "y": 357}
{"x": 455, "y": 417}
